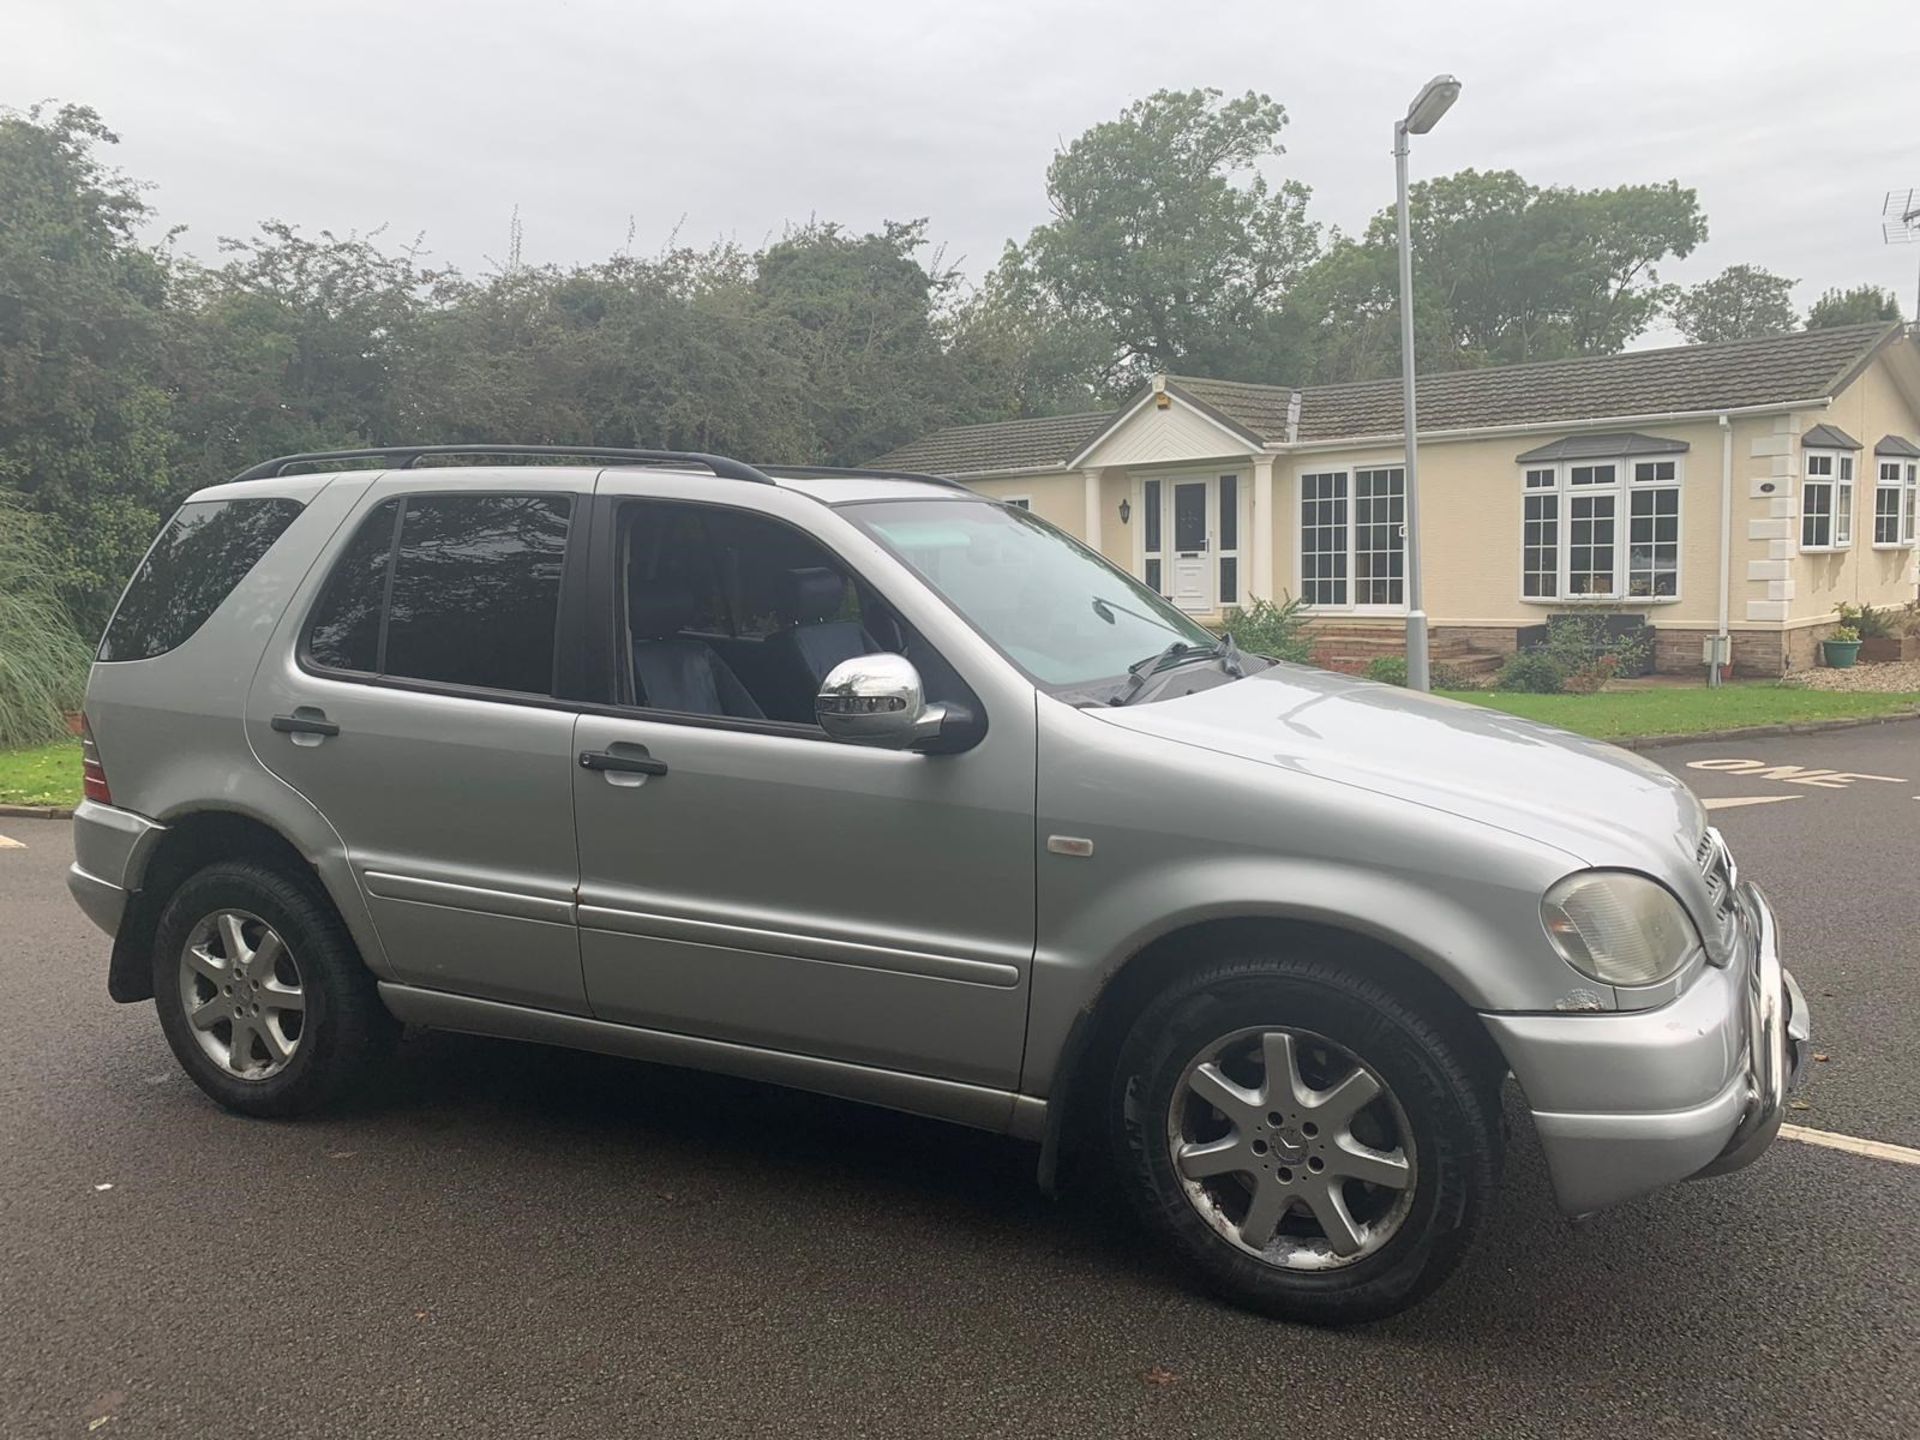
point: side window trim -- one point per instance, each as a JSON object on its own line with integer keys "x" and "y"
{"x": 567, "y": 685}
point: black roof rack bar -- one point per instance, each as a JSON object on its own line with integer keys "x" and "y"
{"x": 404, "y": 457}
{"x": 834, "y": 472}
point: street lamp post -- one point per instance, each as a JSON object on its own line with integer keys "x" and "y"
{"x": 1433, "y": 101}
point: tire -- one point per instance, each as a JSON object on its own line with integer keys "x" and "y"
{"x": 312, "y": 1021}
{"x": 1430, "y": 1140}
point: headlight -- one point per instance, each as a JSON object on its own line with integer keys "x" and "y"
{"x": 1618, "y": 927}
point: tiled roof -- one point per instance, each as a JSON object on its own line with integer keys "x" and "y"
{"x": 1730, "y": 375}
{"x": 1829, "y": 437}
{"x": 1002, "y": 445}
{"x": 1896, "y": 445}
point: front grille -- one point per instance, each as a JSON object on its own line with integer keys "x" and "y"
{"x": 1722, "y": 877}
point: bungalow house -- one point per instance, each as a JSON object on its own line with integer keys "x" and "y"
{"x": 1739, "y": 489}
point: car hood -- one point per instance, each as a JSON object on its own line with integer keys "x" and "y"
{"x": 1598, "y": 803}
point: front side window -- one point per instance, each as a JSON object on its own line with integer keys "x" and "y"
{"x": 1601, "y": 530}
{"x": 1826, "y": 501}
{"x": 1063, "y": 614}
{"x": 455, "y": 589}
{"x": 204, "y": 552}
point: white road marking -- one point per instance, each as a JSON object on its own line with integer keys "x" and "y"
{"x": 7, "y": 843}
{"x": 1853, "y": 1145}
{"x": 1792, "y": 774}
{"x": 1733, "y": 802}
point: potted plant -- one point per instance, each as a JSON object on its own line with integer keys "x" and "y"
{"x": 1841, "y": 648}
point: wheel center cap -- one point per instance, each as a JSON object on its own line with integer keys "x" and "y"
{"x": 1289, "y": 1144}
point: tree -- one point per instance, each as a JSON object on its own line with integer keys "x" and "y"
{"x": 1740, "y": 303}
{"x": 1167, "y": 242}
{"x": 1861, "y": 305}
{"x": 859, "y": 317}
{"x": 1504, "y": 272}
{"x": 292, "y": 344}
{"x": 85, "y": 435}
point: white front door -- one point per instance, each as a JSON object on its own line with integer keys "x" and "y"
{"x": 1191, "y": 562}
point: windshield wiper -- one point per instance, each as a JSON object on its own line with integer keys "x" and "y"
{"x": 1179, "y": 653}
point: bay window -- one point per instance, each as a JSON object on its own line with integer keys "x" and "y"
{"x": 1826, "y": 501}
{"x": 1601, "y": 530}
{"x": 1893, "y": 504}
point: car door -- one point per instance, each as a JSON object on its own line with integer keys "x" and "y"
{"x": 410, "y": 698}
{"x": 768, "y": 887}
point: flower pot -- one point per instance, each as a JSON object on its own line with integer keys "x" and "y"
{"x": 1841, "y": 654}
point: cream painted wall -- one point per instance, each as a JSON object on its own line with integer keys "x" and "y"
{"x": 1869, "y": 408}
{"x": 1058, "y": 499}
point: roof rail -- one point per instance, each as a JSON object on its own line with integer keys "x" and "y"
{"x": 404, "y": 457}
{"x": 854, "y": 472}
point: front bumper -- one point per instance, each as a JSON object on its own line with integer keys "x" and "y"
{"x": 1628, "y": 1103}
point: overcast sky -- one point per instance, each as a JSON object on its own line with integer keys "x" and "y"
{"x": 730, "y": 118}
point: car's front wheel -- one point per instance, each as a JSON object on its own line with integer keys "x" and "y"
{"x": 261, "y": 993}
{"x": 1316, "y": 1147}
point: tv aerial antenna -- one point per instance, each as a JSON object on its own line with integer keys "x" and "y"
{"x": 1900, "y": 225}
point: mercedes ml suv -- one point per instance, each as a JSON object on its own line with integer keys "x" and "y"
{"x": 867, "y": 784}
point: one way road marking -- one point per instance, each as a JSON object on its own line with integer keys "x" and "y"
{"x": 1734, "y": 802}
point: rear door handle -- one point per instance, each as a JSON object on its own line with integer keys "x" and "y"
{"x": 625, "y": 764}
{"x": 304, "y": 725}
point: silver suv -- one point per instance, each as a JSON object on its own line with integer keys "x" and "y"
{"x": 863, "y": 783}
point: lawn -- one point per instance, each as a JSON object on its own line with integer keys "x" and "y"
{"x": 42, "y": 775}
{"x": 1621, "y": 714}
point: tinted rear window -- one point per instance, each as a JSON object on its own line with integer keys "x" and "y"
{"x": 204, "y": 552}
{"x": 472, "y": 597}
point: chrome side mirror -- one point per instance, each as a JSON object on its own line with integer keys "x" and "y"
{"x": 877, "y": 700}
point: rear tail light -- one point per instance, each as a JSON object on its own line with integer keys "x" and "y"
{"x": 93, "y": 775}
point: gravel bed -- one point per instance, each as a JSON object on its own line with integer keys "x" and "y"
{"x": 1899, "y": 676}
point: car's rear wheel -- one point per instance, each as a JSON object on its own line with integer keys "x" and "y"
{"x": 1313, "y": 1145}
{"x": 261, "y": 993}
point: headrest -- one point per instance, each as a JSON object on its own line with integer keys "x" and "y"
{"x": 660, "y": 612}
{"x": 814, "y": 594}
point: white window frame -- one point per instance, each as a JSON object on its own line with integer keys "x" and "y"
{"x": 1349, "y": 581}
{"x": 1566, "y": 481}
{"x": 1021, "y": 502}
{"x": 1899, "y": 476}
{"x": 1838, "y": 481}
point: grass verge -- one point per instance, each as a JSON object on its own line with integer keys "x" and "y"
{"x": 1624, "y": 714}
{"x": 41, "y": 775}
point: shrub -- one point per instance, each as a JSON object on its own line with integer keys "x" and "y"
{"x": 43, "y": 665}
{"x": 1534, "y": 671}
{"x": 1578, "y": 642}
{"x": 1865, "y": 621}
{"x": 1846, "y": 635}
{"x": 1277, "y": 631}
{"x": 1590, "y": 678}
{"x": 1452, "y": 677}
{"x": 1388, "y": 669}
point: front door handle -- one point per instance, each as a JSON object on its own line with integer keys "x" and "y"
{"x": 624, "y": 764}
{"x": 312, "y": 724}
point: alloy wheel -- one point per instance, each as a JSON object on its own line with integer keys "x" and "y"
{"x": 240, "y": 986}
{"x": 1292, "y": 1148}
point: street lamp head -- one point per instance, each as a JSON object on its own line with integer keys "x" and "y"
{"x": 1436, "y": 97}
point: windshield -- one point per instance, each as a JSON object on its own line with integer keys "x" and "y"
{"x": 1057, "y": 610}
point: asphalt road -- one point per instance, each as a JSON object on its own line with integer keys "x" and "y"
{"x": 522, "y": 1242}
